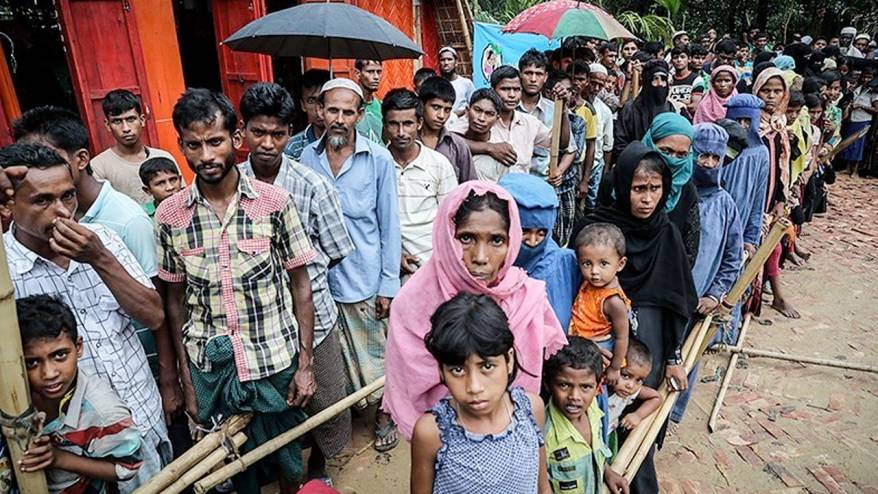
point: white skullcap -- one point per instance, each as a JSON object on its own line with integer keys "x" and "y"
{"x": 849, "y": 30}
{"x": 678, "y": 34}
{"x": 449, "y": 50}
{"x": 341, "y": 82}
{"x": 863, "y": 36}
{"x": 597, "y": 68}
{"x": 807, "y": 40}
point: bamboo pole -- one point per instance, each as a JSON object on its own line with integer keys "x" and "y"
{"x": 755, "y": 265}
{"x": 727, "y": 378}
{"x": 555, "y": 151}
{"x": 196, "y": 453}
{"x": 240, "y": 464}
{"x": 752, "y": 352}
{"x": 204, "y": 467}
{"x": 14, "y": 390}
{"x": 464, "y": 27}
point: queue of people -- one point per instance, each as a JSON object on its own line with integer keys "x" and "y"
{"x": 523, "y": 307}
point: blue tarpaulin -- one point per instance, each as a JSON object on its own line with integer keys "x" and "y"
{"x": 491, "y": 49}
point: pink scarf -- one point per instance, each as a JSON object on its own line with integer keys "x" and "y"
{"x": 412, "y": 374}
{"x": 713, "y": 106}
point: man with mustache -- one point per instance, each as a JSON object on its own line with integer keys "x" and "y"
{"x": 423, "y": 177}
{"x": 364, "y": 283}
{"x": 233, "y": 254}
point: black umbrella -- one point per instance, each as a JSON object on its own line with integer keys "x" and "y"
{"x": 324, "y": 30}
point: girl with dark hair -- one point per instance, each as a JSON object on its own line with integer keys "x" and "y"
{"x": 484, "y": 437}
{"x": 476, "y": 239}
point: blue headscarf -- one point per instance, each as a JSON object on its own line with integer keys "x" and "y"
{"x": 747, "y": 106}
{"x": 710, "y": 139}
{"x": 670, "y": 124}
{"x": 557, "y": 267}
{"x": 784, "y": 62}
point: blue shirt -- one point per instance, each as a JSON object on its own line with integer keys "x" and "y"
{"x": 299, "y": 142}
{"x": 127, "y": 219}
{"x": 366, "y": 185}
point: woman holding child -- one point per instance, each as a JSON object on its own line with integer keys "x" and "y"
{"x": 657, "y": 276}
{"x": 476, "y": 238}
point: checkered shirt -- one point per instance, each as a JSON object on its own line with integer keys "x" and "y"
{"x": 235, "y": 270}
{"x": 319, "y": 208}
{"x": 111, "y": 348}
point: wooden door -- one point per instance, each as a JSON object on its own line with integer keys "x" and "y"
{"x": 104, "y": 53}
{"x": 238, "y": 70}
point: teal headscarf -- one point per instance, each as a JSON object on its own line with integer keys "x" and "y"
{"x": 670, "y": 124}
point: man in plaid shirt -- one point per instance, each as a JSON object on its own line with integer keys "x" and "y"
{"x": 229, "y": 249}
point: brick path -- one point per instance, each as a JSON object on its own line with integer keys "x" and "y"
{"x": 789, "y": 427}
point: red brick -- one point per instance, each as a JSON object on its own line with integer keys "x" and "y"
{"x": 772, "y": 429}
{"x": 836, "y": 474}
{"x": 783, "y": 474}
{"x": 749, "y": 456}
{"x": 722, "y": 459}
{"x": 690, "y": 487}
{"x": 826, "y": 480}
{"x": 756, "y": 437}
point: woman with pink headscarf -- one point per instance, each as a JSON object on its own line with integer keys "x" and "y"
{"x": 723, "y": 80}
{"x": 476, "y": 239}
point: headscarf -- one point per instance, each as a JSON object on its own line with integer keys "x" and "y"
{"x": 784, "y": 62}
{"x": 712, "y": 107}
{"x": 537, "y": 205}
{"x": 657, "y": 273}
{"x": 664, "y": 125}
{"x": 774, "y": 125}
{"x": 747, "y": 106}
{"x": 651, "y": 96}
{"x": 412, "y": 384}
{"x": 711, "y": 139}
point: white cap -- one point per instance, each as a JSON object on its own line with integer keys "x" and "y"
{"x": 678, "y": 34}
{"x": 807, "y": 39}
{"x": 341, "y": 82}
{"x": 597, "y": 68}
{"x": 863, "y": 36}
{"x": 449, "y": 50}
{"x": 850, "y": 30}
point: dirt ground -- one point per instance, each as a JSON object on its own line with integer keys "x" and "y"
{"x": 784, "y": 427}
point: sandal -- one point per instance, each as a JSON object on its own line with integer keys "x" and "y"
{"x": 382, "y": 433}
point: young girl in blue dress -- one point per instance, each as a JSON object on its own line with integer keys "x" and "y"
{"x": 484, "y": 437}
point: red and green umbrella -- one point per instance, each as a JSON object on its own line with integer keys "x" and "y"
{"x": 560, "y": 19}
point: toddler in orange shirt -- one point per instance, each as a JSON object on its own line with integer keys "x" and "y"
{"x": 600, "y": 311}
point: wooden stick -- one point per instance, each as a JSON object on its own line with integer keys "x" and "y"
{"x": 207, "y": 445}
{"x": 752, "y": 352}
{"x": 755, "y": 265}
{"x": 240, "y": 464}
{"x": 204, "y": 467}
{"x": 464, "y": 26}
{"x": 554, "y": 153}
{"x": 727, "y": 378}
{"x": 14, "y": 389}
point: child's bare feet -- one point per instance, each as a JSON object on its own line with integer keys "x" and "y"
{"x": 785, "y": 308}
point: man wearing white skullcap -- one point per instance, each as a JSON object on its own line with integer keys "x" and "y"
{"x": 463, "y": 87}
{"x": 364, "y": 283}
{"x": 597, "y": 81}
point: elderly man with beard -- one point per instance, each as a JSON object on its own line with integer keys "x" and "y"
{"x": 364, "y": 283}
{"x": 233, "y": 255}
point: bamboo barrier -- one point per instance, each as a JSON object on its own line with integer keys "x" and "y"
{"x": 240, "y": 464}
{"x": 205, "y": 466}
{"x": 555, "y": 151}
{"x": 727, "y": 378}
{"x": 639, "y": 442}
{"x": 201, "y": 450}
{"x": 14, "y": 392}
{"x": 802, "y": 359}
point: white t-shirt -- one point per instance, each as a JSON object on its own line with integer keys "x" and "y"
{"x": 615, "y": 405}
{"x": 124, "y": 175}
{"x": 863, "y": 98}
{"x": 463, "y": 91}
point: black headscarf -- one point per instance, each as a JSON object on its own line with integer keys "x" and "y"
{"x": 636, "y": 116}
{"x": 657, "y": 273}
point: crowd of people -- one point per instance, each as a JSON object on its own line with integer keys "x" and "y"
{"x": 523, "y": 307}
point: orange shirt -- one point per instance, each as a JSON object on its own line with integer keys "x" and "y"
{"x": 588, "y": 319}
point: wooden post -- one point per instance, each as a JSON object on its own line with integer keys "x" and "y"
{"x": 555, "y": 152}
{"x": 14, "y": 390}
{"x": 240, "y": 464}
{"x": 727, "y": 378}
{"x": 755, "y": 265}
{"x": 196, "y": 454}
{"x": 752, "y": 352}
{"x": 464, "y": 26}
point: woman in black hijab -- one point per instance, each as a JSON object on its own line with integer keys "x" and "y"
{"x": 636, "y": 116}
{"x": 657, "y": 277}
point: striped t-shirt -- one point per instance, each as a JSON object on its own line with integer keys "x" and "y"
{"x": 93, "y": 423}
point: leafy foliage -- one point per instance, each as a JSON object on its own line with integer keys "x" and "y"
{"x": 647, "y": 27}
